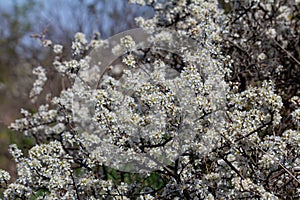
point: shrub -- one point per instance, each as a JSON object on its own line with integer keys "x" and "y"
{"x": 159, "y": 113}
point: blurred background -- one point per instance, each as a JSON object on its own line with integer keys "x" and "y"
{"x": 21, "y": 22}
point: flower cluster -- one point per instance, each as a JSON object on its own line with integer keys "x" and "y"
{"x": 261, "y": 40}
{"x": 4, "y": 177}
{"x": 78, "y": 46}
{"x": 39, "y": 83}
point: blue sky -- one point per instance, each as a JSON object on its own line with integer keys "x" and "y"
{"x": 51, "y": 11}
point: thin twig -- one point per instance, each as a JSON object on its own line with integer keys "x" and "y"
{"x": 288, "y": 53}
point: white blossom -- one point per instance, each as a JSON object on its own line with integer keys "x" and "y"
{"x": 57, "y": 49}
{"x": 262, "y": 56}
{"x": 271, "y": 33}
